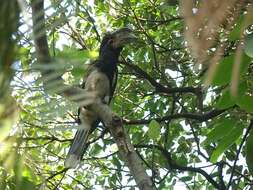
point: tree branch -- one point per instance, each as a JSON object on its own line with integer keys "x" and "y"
{"x": 238, "y": 152}
{"x": 175, "y": 166}
{"x": 199, "y": 117}
{"x": 159, "y": 87}
{"x": 49, "y": 138}
{"x": 220, "y": 171}
{"x": 57, "y": 173}
{"x": 126, "y": 149}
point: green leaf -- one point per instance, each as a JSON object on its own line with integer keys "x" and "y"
{"x": 186, "y": 178}
{"x": 235, "y": 33}
{"x": 154, "y": 130}
{"x": 249, "y": 46}
{"x": 23, "y": 184}
{"x": 182, "y": 160}
{"x": 223, "y": 73}
{"x": 246, "y": 103}
{"x": 226, "y": 142}
{"x": 24, "y": 57}
{"x": 249, "y": 155}
{"x": 75, "y": 54}
{"x": 78, "y": 72}
{"x": 225, "y": 101}
{"x": 96, "y": 149}
{"x": 116, "y": 162}
{"x": 220, "y": 130}
{"x": 27, "y": 184}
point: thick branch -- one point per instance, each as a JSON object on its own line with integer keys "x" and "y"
{"x": 126, "y": 149}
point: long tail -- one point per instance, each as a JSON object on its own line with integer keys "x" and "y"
{"x": 77, "y": 149}
{"x": 78, "y": 146}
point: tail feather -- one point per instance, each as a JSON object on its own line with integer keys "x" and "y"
{"x": 79, "y": 145}
{"x": 77, "y": 149}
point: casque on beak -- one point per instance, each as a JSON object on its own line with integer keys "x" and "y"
{"x": 123, "y": 36}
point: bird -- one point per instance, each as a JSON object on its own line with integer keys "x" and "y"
{"x": 100, "y": 78}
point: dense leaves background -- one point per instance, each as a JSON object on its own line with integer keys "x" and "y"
{"x": 188, "y": 135}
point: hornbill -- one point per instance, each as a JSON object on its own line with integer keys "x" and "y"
{"x": 101, "y": 79}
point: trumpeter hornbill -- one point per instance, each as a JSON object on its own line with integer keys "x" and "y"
{"x": 101, "y": 79}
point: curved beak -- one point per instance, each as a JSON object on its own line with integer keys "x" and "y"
{"x": 123, "y": 36}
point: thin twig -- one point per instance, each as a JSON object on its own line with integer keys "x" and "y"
{"x": 238, "y": 152}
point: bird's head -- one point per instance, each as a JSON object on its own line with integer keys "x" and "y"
{"x": 117, "y": 39}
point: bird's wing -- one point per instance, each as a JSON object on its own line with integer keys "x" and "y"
{"x": 95, "y": 72}
{"x": 98, "y": 83}
{"x": 89, "y": 69}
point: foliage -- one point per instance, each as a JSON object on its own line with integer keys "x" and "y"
{"x": 186, "y": 134}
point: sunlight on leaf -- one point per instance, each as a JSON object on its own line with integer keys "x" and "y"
{"x": 224, "y": 70}
{"x": 228, "y": 140}
{"x": 246, "y": 103}
{"x": 226, "y": 100}
{"x": 154, "y": 130}
{"x": 220, "y": 130}
{"x": 249, "y": 155}
{"x": 249, "y": 46}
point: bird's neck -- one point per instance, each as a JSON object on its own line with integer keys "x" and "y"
{"x": 108, "y": 60}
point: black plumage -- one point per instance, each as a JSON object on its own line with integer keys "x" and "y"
{"x": 101, "y": 79}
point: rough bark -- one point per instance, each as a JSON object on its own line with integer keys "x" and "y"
{"x": 126, "y": 149}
